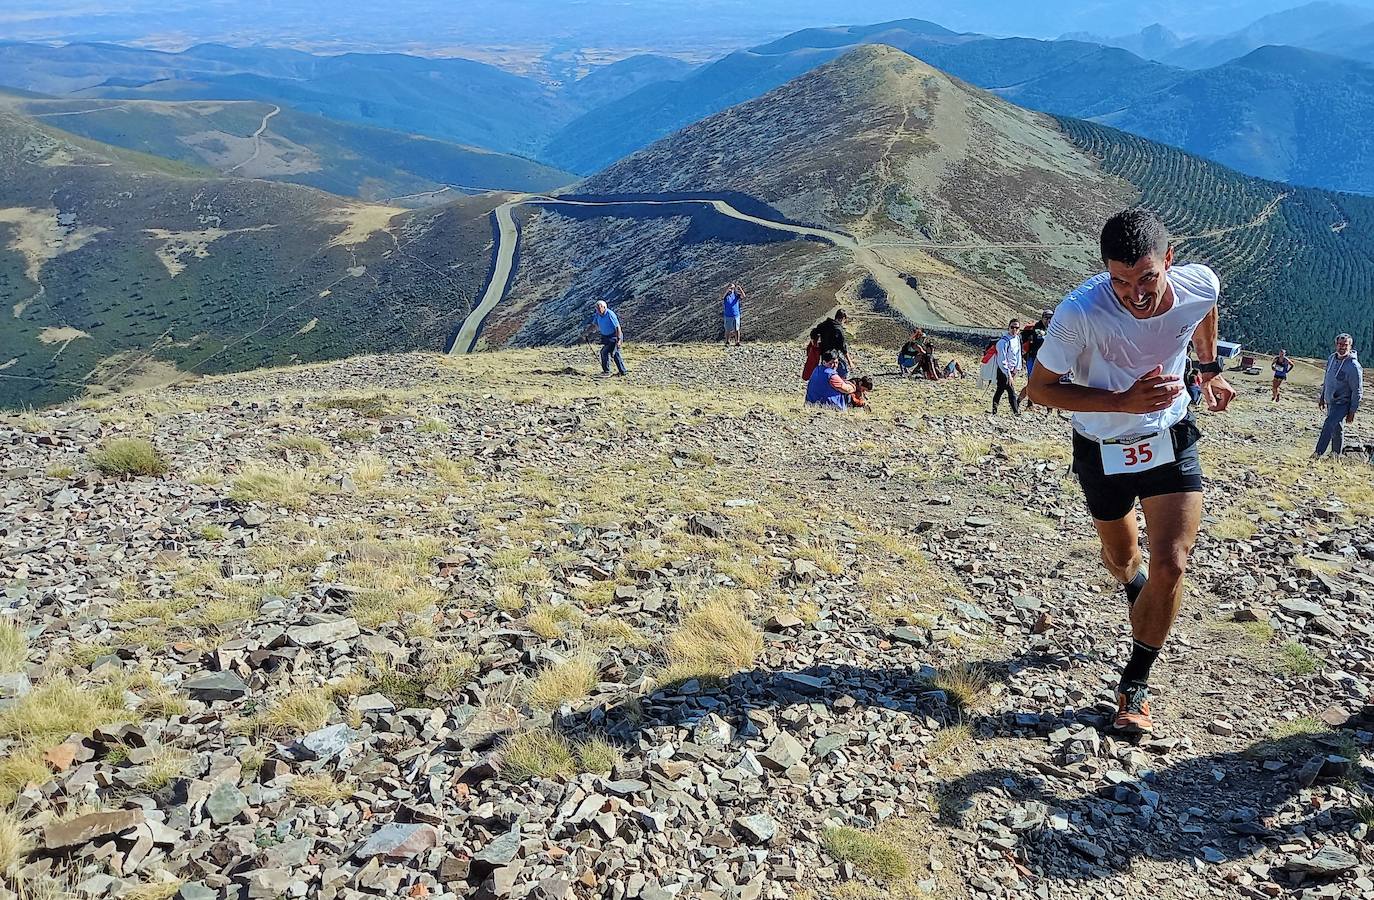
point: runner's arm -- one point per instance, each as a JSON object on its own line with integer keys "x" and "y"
{"x": 1216, "y": 389}
{"x": 1205, "y": 341}
{"x": 1151, "y": 392}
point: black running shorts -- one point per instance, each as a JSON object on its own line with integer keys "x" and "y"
{"x": 1112, "y": 497}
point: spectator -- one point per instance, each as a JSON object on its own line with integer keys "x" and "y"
{"x": 1282, "y": 365}
{"x": 863, "y": 386}
{"x": 1008, "y": 364}
{"x": 730, "y": 309}
{"x": 1192, "y": 378}
{"x": 1342, "y": 390}
{"x": 1032, "y": 338}
{"x": 826, "y": 386}
{"x": 829, "y": 335}
{"x": 952, "y": 368}
{"x": 607, "y": 324}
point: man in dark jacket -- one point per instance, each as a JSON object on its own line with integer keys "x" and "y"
{"x": 1342, "y": 390}
{"x": 829, "y": 335}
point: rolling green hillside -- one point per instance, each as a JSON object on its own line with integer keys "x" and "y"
{"x": 1296, "y": 264}
{"x": 262, "y": 140}
{"x": 123, "y": 268}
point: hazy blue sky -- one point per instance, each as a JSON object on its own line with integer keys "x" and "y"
{"x": 673, "y": 25}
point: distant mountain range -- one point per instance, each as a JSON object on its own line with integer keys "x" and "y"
{"x": 1340, "y": 29}
{"x": 987, "y": 208}
{"x": 263, "y": 140}
{"x": 450, "y": 99}
{"x": 1284, "y": 113}
{"x": 1277, "y": 113}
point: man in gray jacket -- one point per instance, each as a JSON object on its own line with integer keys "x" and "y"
{"x": 1342, "y": 390}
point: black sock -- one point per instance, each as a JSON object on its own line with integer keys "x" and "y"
{"x": 1134, "y": 587}
{"x": 1137, "y": 671}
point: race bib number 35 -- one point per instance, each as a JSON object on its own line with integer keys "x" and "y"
{"x": 1138, "y": 454}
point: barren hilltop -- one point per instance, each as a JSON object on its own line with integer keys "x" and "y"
{"x": 488, "y": 626}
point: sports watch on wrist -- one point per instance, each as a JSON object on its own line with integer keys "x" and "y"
{"x": 1210, "y": 368}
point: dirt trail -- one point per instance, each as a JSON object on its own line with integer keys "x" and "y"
{"x": 905, "y": 299}
{"x": 1264, "y": 216}
{"x": 257, "y": 140}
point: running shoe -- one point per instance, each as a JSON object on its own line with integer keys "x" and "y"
{"x": 1133, "y": 710}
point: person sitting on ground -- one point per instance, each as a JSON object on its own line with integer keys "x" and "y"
{"x": 829, "y": 335}
{"x": 826, "y": 386}
{"x": 863, "y": 386}
{"x": 907, "y": 358}
{"x": 953, "y": 369}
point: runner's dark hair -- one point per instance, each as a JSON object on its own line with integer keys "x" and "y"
{"x": 1133, "y": 234}
{"x": 830, "y": 356}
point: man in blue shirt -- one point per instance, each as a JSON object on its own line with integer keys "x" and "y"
{"x": 730, "y": 304}
{"x": 607, "y": 324}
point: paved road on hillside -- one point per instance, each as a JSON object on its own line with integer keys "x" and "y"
{"x": 901, "y": 296}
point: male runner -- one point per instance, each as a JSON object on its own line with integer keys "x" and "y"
{"x": 1122, "y": 339}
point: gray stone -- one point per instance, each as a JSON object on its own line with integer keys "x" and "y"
{"x": 625, "y": 788}
{"x": 213, "y": 686}
{"x": 906, "y": 635}
{"x": 807, "y": 685}
{"x": 14, "y": 685}
{"x": 266, "y": 884}
{"x": 225, "y": 803}
{"x": 398, "y": 842}
{"x": 195, "y": 890}
{"x": 829, "y": 744}
{"x": 756, "y": 829}
{"x": 1302, "y": 608}
{"x": 500, "y": 851}
{"x": 323, "y": 633}
{"x": 1327, "y": 862}
{"x": 324, "y": 744}
{"x": 784, "y": 753}
{"x": 83, "y": 829}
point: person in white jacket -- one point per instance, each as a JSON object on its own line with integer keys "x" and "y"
{"x": 1008, "y": 364}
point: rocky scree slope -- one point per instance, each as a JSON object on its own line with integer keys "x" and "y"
{"x": 490, "y": 626}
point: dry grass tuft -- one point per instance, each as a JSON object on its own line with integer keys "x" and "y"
{"x": 127, "y": 457}
{"x": 160, "y": 891}
{"x": 275, "y": 486}
{"x": 320, "y": 790}
{"x": 14, "y": 647}
{"x": 965, "y": 684}
{"x": 543, "y": 753}
{"x": 547, "y": 620}
{"x": 18, "y": 770}
{"x": 58, "y": 708}
{"x": 299, "y": 712}
{"x": 15, "y": 845}
{"x": 566, "y": 682}
{"x": 303, "y": 443}
{"x": 537, "y": 753}
{"x": 713, "y": 643}
{"x": 169, "y": 763}
{"x": 596, "y": 755}
{"x": 871, "y": 854}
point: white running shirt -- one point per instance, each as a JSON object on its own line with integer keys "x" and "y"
{"x": 1099, "y": 344}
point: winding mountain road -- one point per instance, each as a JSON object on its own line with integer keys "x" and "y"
{"x": 901, "y": 295}
{"x": 257, "y": 140}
